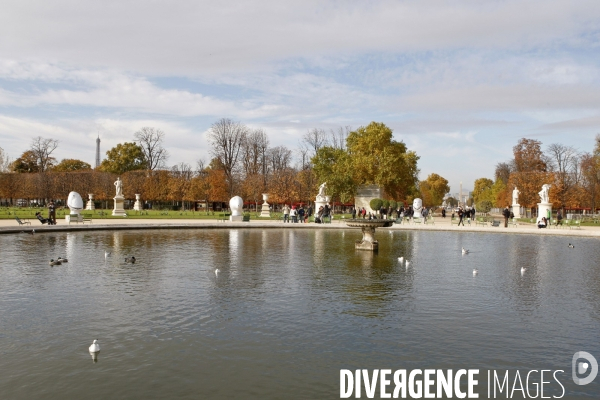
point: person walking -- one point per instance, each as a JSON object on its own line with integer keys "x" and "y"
{"x": 443, "y": 213}
{"x": 353, "y": 212}
{"x": 294, "y": 214}
{"x": 506, "y": 214}
{"x": 461, "y": 214}
{"x": 286, "y": 213}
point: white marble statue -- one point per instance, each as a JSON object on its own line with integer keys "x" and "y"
{"x": 322, "y": 190}
{"x": 75, "y": 203}
{"x": 417, "y": 208}
{"x": 515, "y": 196}
{"x": 119, "y": 186}
{"x": 544, "y": 195}
{"x": 236, "y": 205}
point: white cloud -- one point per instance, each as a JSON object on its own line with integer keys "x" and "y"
{"x": 191, "y": 37}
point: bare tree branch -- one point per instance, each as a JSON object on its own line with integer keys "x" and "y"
{"x": 150, "y": 140}
{"x": 227, "y": 138}
{"x": 42, "y": 149}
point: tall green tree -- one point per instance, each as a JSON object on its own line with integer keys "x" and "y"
{"x": 124, "y": 157}
{"x": 433, "y": 190}
{"x": 70, "y": 164}
{"x": 333, "y": 166}
{"x": 482, "y": 190}
{"x": 376, "y": 158}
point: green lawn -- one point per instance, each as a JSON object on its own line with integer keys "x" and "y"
{"x": 29, "y": 213}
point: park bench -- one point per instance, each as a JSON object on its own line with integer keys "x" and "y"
{"x": 86, "y": 218}
{"x": 246, "y": 218}
{"x": 429, "y": 220}
{"x": 513, "y": 222}
{"x": 574, "y": 224}
{"x": 22, "y": 222}
{"x": 222, "y": 217}
{"x": 496, "y": 222}
{"x": 417, "y": 220}
{"x": 480, "y": 221}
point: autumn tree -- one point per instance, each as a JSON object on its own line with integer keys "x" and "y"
{"x": 70, "y": 164}
{"x": 124, "y": 157}
{"x": 27, "y": 163}
{"x": 433, "y": 190}
{"x": 564, "y": 161}
{"x": 529, "y": 172}
{"x": 150, "y": 142}
{"x": 180, "y": 182}
{"x": 482, "y": 190}
{"x": 376, "y": 158}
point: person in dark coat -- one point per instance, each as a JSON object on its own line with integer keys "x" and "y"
{"x": 506, "y": 214}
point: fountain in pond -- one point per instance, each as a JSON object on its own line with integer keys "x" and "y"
{"x": 368, "y": 226}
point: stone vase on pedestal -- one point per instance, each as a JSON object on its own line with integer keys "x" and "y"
{"x": 90, "y": 203}
{"x": 265, "y": 212}
{"x": 138, "y": 204}
{"x": 119, "y": 210}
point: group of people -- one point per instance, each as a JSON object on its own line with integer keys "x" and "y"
{"x": 388, "y": 213}
{"x": 463, "y": 213}
{"x": 296, "y": 214}
{"x": 51, "y": 220}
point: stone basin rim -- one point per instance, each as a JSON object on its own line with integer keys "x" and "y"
{"x": 374, "y": 223}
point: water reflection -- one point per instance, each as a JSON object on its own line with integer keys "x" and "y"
{"x": 290, "y": 308}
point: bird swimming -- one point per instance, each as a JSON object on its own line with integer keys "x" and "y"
{"x": 523, "y": 269}
{"x": 130, "y": 260}
{"x": 31, "y": 232}
{"x": 401, "y": 259}
{"x": 53, "y": 262}
{"x": 106, "y": 254}
{"x": 572, "y": 246}
{"x": 62, "y": 260}
{"x": 217, "y": 271}
{"x": 475, "y": 271}
{"x": 95, "y": 347}
{"x": 465, "y": 251}
{"x": 407, "y": 263}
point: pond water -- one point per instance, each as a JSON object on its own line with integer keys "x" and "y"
{"x": 289, "y": 309}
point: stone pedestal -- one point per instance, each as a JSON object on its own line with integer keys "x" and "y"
{"x": 119, "y": 210}
{"x": 368, "y": 241}
{"x": 516, "y": 210}
{"x": 138, "y": 204}
{"x": 90, "y": 204}
{"x": 321, "y": 201}
{"x": 544, "y": 210}
{"x": 73, "y": 218}
{"x": 265, "y": 212}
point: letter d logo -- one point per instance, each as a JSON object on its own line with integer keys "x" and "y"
{"x": 582, "y": 367}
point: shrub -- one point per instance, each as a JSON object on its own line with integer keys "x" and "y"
{"x": 393, "y": 204}
{"x": 386, "y": 204}
{"x": 376, "y": 204}
{"x": 484, "y": 206}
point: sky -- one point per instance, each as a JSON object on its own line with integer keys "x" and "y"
{"x": 460, "y": 82}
